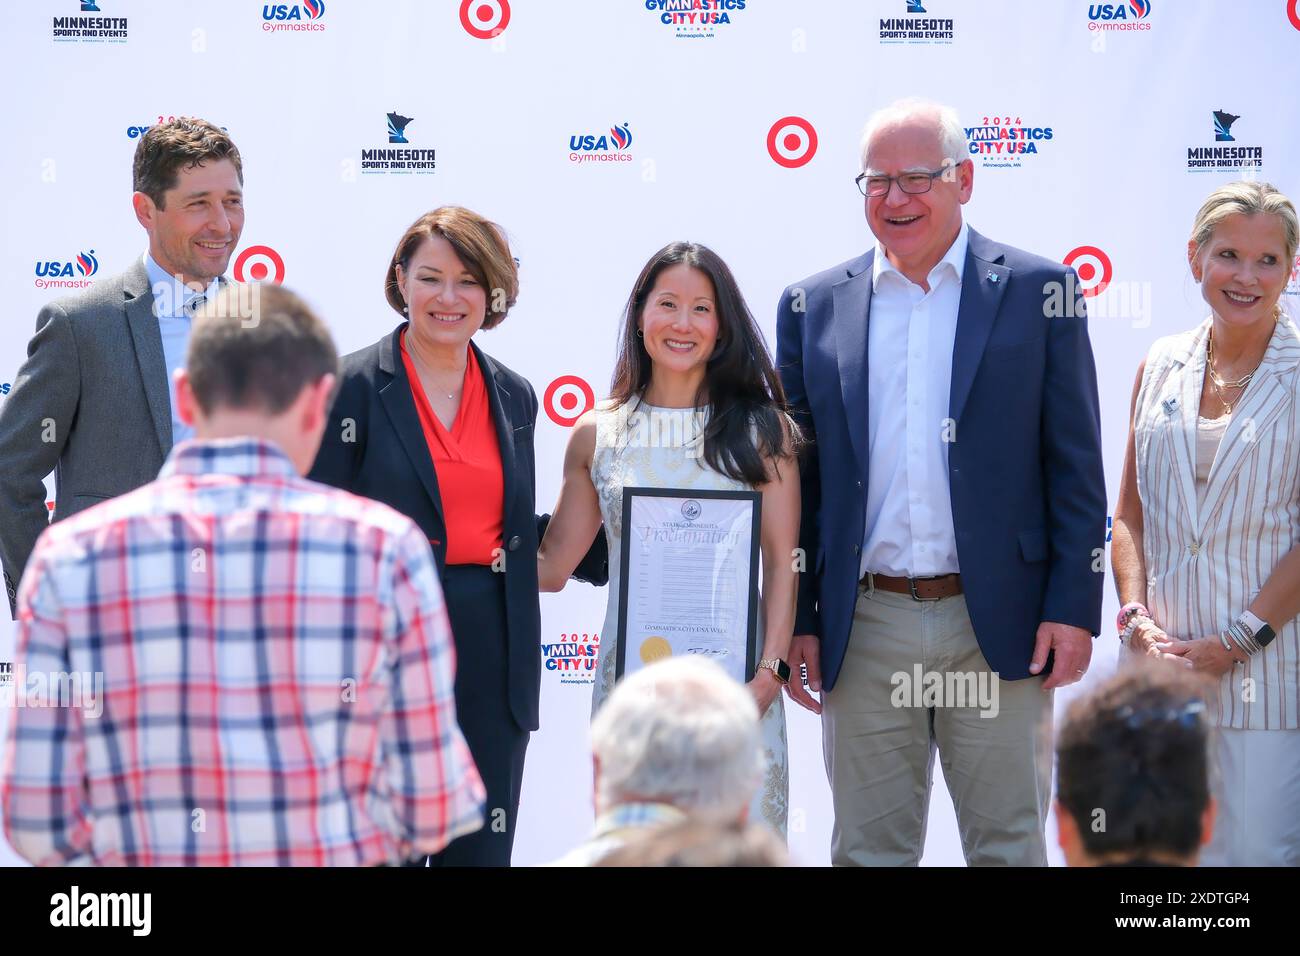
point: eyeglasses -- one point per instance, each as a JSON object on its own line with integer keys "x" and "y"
{"x": 873, "y": 187}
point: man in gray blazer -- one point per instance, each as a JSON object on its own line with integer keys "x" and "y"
{"x": 92, "y": 403}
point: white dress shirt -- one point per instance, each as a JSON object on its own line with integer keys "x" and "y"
{"x": 910, "y": 338}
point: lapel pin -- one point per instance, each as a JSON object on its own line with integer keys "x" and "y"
{"x": 1170, "y": 405}
{"x": 993, "y": 277}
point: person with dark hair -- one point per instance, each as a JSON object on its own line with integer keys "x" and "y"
{"x": 265, "y": 662}
{"x": 92, "y": 402}
{"x": 696, "y": 403}
{"x": 430, "y": 424}
{"x": 1133, "y": 771}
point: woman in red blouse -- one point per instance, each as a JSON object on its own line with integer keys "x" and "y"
{"x": 428, "y": 423}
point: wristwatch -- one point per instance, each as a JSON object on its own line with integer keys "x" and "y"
{"x": 778, "y": 667}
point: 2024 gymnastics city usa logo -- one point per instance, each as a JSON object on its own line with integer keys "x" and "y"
{"x": 695, "y": 19}
{"x": 1241, "y": 158}
{"x": 1003, "y": 141}
{"x": 92, "y": 29}
{"x": 408, "y": 160}
{"x": 918, "y": 25}
{"x": 1130, "y": 17}
{"x": 612, "y": 146}
{"x": 67, "y": 273}
{"x": 305, "y": 17}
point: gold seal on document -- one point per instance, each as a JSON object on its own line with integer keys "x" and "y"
{"x": 654, "y": 649}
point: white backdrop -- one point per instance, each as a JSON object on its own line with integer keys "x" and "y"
{"x": 1111, "y": 113}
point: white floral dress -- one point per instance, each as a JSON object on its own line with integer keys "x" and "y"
{"x": 634, "y": 451}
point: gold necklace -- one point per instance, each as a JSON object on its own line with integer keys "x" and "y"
{"x": 1219, "y": 382}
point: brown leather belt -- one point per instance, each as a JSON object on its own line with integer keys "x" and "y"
{"x": 919, "y": 589}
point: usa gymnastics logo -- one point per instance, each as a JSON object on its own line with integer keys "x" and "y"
{"x": 382, "y": 159}
{"x": 302, "y": 17}
{"x": 1220, "y": 158}
{"x": 1123, "y": 17}
{"x": 67, "y": 274}
{"x": 791, "y": 142}
{"x": 89, "y": 29}
{"x": 611, "y": 147}
{"x": 1293, "y": 287}
{"x": 912, "y": 29}
{"x": 695, "y": 19}
{"x": 1093, "y": 268}
{"x": 567, "y": 399}
{"x": 259, "y": 264}
{"x": 484, "y": 19}
{"x": 1003, "y": 142}
{"x": 574, "y": 656}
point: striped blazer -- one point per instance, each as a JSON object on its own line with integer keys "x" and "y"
{"x": 1206, "y": 562}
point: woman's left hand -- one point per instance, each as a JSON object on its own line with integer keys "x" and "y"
{"x": 766, "y": 688}
{"x": 1205, "y": 655}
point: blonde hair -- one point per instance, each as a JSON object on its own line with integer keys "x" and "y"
{"x": 1248, "y": 198}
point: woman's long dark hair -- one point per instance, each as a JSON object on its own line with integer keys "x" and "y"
{"x": 741, "y": 383}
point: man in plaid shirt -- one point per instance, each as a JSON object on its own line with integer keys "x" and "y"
{"x": 274, "y": 655}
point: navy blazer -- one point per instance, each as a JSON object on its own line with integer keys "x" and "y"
{"x": 389, "y": 461}
{"x": 1025, "y": 474}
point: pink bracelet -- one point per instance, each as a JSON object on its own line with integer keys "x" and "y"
{"x": 1128, "y": 612}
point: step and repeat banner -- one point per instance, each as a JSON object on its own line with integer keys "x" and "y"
{"x": 594, "y": 134}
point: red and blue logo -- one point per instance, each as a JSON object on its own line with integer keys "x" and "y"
{"x": 1133, "y": 10}
{"x": 611, "y": 147}
{"x": 302, "y": 17}
{"x": 67, "y": 274}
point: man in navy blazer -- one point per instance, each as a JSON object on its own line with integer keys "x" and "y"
{"x": 954, "y": 507}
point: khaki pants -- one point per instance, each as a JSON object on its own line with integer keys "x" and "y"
{"x": 880, "y": 732}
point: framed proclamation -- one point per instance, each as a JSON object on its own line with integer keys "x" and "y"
{"x": 689, "y": 581}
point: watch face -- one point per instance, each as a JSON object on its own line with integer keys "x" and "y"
{"x": 783, "y": 671}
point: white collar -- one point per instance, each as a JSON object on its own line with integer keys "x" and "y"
{"x": 954, "y": 259}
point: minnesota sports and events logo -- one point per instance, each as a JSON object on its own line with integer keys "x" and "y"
{"x": 305, "y": 17}
{"x": 385, "y": 159}
{"x": 1004, "y": 141}
{"x": 918, "y": 26}
{"x": 67, "y": 273}
{"x": 695, "y": 19}
{"x": 90, "y": 29}
{"x": 1234, "y": 158}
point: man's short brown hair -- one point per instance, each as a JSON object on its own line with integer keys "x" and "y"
{"x": 481, "y": 245}
{"x": 1133, "y": 762}
{"x": 255, "y": 347}
{"x": 181, "y": 143}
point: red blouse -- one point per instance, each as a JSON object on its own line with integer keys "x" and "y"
{"x": 467, "y": 461}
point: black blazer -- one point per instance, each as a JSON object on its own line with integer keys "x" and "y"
{"x": 389, "y": 461}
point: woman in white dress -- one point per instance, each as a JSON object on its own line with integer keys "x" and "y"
{"x": 696, "y": 404}
{"x": 1206, "y": 544}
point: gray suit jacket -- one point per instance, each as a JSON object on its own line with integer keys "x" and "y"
{"x": 91, "y": 403}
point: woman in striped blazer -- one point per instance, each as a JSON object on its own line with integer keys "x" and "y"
{"x": 1206, "y": 545}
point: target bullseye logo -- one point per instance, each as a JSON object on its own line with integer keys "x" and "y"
{"x": 1293, "y": 13}
{"x": 567, "y": 399}
{"x": 1093, "y": 267}
{"x": 484, "y": 19}
{"x": 792, "y": 142}
{"x": 259, "y": 264}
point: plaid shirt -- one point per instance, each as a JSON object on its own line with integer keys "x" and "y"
{"x": 276, "y": 668}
